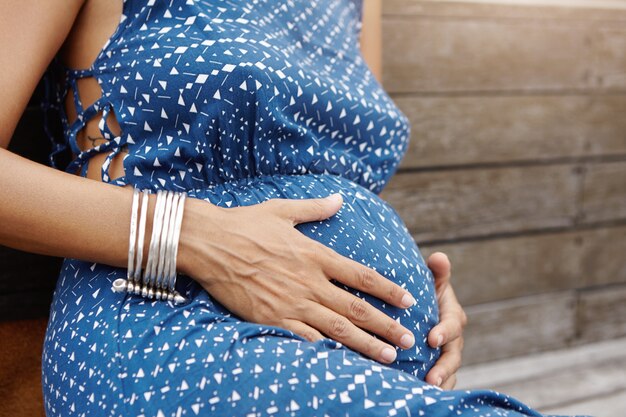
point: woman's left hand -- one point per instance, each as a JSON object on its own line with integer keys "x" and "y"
{"x": 449, "y": 332}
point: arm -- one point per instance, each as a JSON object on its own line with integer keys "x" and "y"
{"x": 37, "y": 211}
{"x": 267, "y": 271}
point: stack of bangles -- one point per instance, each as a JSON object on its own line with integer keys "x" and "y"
{"x": 159, "y": 277}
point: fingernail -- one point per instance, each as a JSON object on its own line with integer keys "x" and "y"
{"x": 407, "y": 340}
{"x": 334, "y": 197}
{"x": 439, "y": 381}
{"x": 388, "y": 354}
{"x": 408, "y": 300}
{"x": 439, "y": 340}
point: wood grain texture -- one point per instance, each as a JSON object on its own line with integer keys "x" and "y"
{"x": 581, "y": 380}
{"x": 502, "y": 129}
{"x": 452, "y": 55}
{"x": 519, "y": 326}
{"x": 425, "y": 55}
{"x": 505, "y": 268}
{"x": 478, "y": 202}
{"x": 610, "y": 57}
{"x": 590, "y": 10}
{"x": 602, "y": 313}
{"x": 602, "y": 259}
{"x": 21, "y": 344}
{"x": 604, "y": 192}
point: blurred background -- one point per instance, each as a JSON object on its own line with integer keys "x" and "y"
{"x": 516, "y": 169}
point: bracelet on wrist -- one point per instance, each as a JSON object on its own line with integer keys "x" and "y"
{"x": 159, "y": 276}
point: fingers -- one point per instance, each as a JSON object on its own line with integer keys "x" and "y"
{"x": 304, "y": 330}
{"x": 449, "y": 328}
{"x": 452, "y": 318}
{"x": 448, "y": 364}
{"x": 450, "y": 383}
{"x": 439, "y": 263}
{"x": 360, "y": 277}
{"x": 306, "y": 210}
{"x": 339, "y": 328}
{"x": 448, "y": 334}
{"x": 366, "y": 316}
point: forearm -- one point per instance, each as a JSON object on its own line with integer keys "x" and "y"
{"x": 54, "y": 213}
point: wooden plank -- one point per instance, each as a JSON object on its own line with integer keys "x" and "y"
{"x": 502, "y": 268}
{"x": 471, "y": 130}
{"x": 423, "y": 54}
{"x": 612, "y": 405}
{"x": 610, "y": 57}
{"x": 520, "y": 326}
{"x": 475, "y": 202}
{"x": 604, "y": 192}
{"x": 605, "y": 10}
{"x": 565, "y": 387}
{"x": 21, "y": 344}
{"x": 536, "y": 366}
{"x": 602, "y": 313}
{"x": 602, "y": 259}
{"x": 498, "y": 269}
{"x": 556, "y": 378}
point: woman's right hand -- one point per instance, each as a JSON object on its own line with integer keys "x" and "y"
{"x": 258, "y": 265}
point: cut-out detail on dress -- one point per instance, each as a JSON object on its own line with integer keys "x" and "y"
{"x": 92, "y": 127}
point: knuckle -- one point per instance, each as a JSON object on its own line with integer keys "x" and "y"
{"x": 358, "y": 310}
{"x": 394, "y": 292}
{"x": 371, "y": 347}
{"x": 308, "y": 335}
{"x": 391, "y": 329}
{"x": 456, "y": 364}
{"x": 457, "y": 329}
{"x": 338, "y": 327}
{"x": 319, "y": 252}
{"x": 463, "y": 318}
{"x": 366, "y": 278}
{"x": 452, "y": 381}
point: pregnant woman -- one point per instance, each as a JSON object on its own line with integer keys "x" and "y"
{"x": 291, "y": 303}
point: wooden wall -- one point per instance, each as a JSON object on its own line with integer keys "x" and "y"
{"x": 517, "y": 163}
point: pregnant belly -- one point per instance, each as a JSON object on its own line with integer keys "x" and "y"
{"x": 366, "y": 229}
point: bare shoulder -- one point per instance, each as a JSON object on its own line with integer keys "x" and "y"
{"x": 371, "y": 35}
{"x": 31, "y": 33}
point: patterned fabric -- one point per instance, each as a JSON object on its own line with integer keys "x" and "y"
{"x": 237, "y": 102}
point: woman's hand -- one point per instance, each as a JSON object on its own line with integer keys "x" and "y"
{"x": 258, "y": 265}
{"x": 449, "y": 332}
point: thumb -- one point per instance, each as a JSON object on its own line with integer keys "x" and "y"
{"x": 440, "y": 265}
{"x": 311, "y": 209}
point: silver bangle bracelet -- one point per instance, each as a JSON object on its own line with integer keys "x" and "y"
{"x": 153, "y": 251}
{"x": 159, "y": 277}
{"x": 163, "y": 243}
{"x": 169, "y": 246}
{"x": 133, "y": 234}
{"x": 135, "y": 284}
{"x": 177, "y": 228}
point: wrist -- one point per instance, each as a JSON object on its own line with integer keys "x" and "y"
{"x": 200, "y": 219}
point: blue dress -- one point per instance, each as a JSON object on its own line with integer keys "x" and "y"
{"x": 237, "y": 102}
